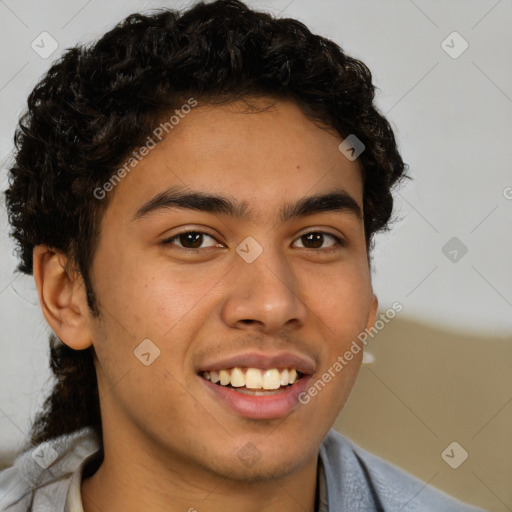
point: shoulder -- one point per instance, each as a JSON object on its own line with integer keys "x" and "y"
{"x": 355, "y": 477}
{"x": 40, "y": 477}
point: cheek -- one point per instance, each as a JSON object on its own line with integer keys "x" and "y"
{"x": 341, "y": 299}
{"x": 150, "y": 298}
{"x": 174, "y": 298}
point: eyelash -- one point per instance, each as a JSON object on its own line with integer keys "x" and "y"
{"x": 340, "y": 243}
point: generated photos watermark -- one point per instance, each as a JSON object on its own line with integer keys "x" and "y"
{"x": 343, "y": 360}
{"x": 157, "y": 135}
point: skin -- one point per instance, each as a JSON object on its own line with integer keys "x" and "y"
{"x": 169, "y": 445}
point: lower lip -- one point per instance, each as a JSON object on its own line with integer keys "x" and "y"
{"x": 260, "y": 407}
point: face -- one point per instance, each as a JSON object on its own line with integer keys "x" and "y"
{"x": 248, "y": 290}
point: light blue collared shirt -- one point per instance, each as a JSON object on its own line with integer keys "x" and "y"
{"x": 350, "y": 479}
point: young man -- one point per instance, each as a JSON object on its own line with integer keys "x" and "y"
{"x": 196, "y": 196}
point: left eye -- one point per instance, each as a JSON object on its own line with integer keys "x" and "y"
{"x": 193, "y": 240}
{"x": 315, "y": 240}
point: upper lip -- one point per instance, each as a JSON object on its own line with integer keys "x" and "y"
{"x": 263, "y": 360}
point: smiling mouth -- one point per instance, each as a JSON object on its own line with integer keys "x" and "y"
{"x": 254, "y": 381}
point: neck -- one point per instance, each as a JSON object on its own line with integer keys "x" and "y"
{"x": 145, "y": 479}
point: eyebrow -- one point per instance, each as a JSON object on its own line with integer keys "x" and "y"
{"x": 337, "y": 200}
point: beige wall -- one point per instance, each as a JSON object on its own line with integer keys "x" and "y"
{"x": 427, "y": 388}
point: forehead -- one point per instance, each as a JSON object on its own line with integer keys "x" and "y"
{"x": 263, "y": 158}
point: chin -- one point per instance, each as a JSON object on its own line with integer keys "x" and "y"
{"x": 260, "y": 461}
{"x": 264, "y": 470}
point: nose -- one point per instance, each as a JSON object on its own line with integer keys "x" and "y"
{"x": 264, "y": 296}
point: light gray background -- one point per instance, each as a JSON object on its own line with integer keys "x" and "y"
{"x": 452, "y": 118}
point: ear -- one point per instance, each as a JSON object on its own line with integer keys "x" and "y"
{"x": 62, "y": 297}
{"x": 372, "y": 315}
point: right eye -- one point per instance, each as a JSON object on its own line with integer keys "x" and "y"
{"x": 191, "y": 240}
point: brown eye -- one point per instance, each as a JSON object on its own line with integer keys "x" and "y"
{"x": 191, "y": 240}
{"x": 316, "y": 239}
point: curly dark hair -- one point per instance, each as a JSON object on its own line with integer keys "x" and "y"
{"x": 98, "y": 102}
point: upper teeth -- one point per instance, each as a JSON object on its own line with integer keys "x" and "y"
{"x": 253, "y": 378}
